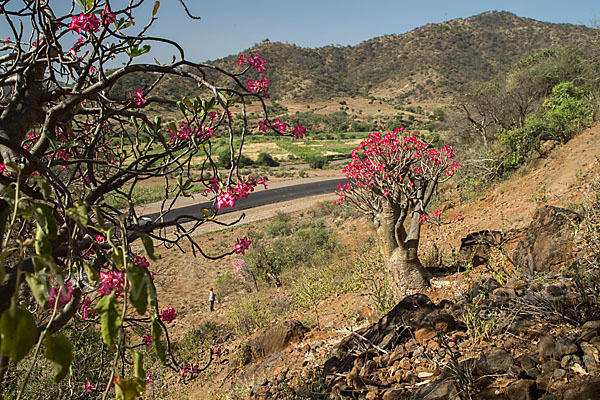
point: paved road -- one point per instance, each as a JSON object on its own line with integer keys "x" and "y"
{"x": 260, "y": 198}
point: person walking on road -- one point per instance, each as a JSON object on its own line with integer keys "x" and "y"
{"x": 211, "y": 298}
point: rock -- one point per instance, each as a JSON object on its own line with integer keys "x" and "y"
{"x": 524, "y": 389}
{"x": 475, "y": 247}
{"x": 398, "y": 354}
{"x": 277, "y": 338}
{"x": 590, "y": 329}
{"x": 392, "y": 394}
{"x": 438, "y": 390}
{"x": 526, "y": 362}
{"x": 546, "y": 348}
{"x": 424, "y": 334}
{"x": 568, "y": 361}
{"x": 443, "y": 323}
{"x": 559, "y": 374}
{"x": 504, "y": 294}
{"x": 548, "y": 242}
{"x": 589, "y": 361}
{"x": 585, "y": 391}
{"x": 496, "y": 361}
{"x": 590, "y": 350}
{"x": 565, "y": 347}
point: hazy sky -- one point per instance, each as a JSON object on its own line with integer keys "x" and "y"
{"x": 230, "y": 26}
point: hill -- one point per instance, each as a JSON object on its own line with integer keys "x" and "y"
{"x": 433, "y": 61}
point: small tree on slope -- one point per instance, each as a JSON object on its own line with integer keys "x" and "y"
{"x": 393, "y": 178}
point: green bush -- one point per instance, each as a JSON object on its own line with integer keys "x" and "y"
{"x": 266, "y": 159}
{"x": 317, "y": 162}
{"x": 224, "y": 157}
{"x": 568, "y": 110}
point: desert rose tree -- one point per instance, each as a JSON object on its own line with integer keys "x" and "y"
{"x": 392, "y": 178}
{"x": 73, "y": 151}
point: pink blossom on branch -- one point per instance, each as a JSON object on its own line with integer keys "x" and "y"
{"x": 138, "y": 98}
{"x": 242, "y": 245}
{"x": 65, "y": 294}
{"x": 84, "y": 23}
{"x": 168, "y": 315}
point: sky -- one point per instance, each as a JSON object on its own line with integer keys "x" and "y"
{"x": 231, "y": 26}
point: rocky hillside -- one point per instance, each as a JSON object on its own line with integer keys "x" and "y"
{"x": 520, "y": 322}
{"x": 433, "y": 61}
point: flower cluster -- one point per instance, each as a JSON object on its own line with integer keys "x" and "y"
{"x": 141, "y": 261}
{"x": 259, "y": 86}
{"x": 113, "y": 280}
{"x": 227, "y": 197}
{"x": 396, "y": 164}
{"x": 255, "y": 61}
{"x": 189, "y": 369}
{"x": 147, "y": 340}
{"x": 65, "y": 295}
{"x": 84, "y": 23}
{"x": 168, "y": 315}
{"x": 242, "y": 245}
{"x": 186, "y": 132}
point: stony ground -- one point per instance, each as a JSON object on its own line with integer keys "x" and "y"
{"x": 375, "y": 362}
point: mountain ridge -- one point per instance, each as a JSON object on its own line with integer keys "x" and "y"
{"x": 437, "y": 60}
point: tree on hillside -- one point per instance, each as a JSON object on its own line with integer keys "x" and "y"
{"x": 73, "y": 154}
{"x": 393, "y": 178}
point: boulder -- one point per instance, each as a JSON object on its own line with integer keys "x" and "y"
{"x": 548, "y": 242}
{"x": 278, "y": 337}
{"x": 524, "y": 389}
{"x": 475, "y": 247}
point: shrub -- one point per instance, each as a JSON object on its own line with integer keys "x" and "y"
{"x": 266, "y": 159}
{"x": 317, "y": 162}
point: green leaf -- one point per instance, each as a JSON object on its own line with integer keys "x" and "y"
{"x": 148, "y": 246}
{"x": 42, "y": 264}
{"x": 42, "y": 245}
{"x": 138, "y": 368}
{"x": 38, "y": 288}
{"x": 156, "y": 339}
{"x": 127, "y": 389}
{"x": 42, "y": 183}
{"x": 188, "y": 103}
{"x": 155, "y": 10}
{"x": 79, "y": 214}
{"x": 139, "y": 281}
{"x": 117, "y": 257}
{"x": 18, "y": 333}
{"x": 59, "y": 350}
{"x": 99, "y": 218}
{"x": 110, "y": 318}
{"x": 45, "y": 219}
{"x": 91, "y": 272}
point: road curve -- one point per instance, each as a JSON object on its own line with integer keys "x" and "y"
{"x": 259, "y": 198}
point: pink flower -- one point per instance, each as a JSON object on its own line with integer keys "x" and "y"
{"x": 65, "y": 295}
{"x": 459, "y": 217}
{"x": 262, "y": 126}
{"x": 99, "y": 239}
{"x": 168, "y": 315}
{"x": 138, "y": 98}
{"x": 148, "y": 379}
{"x": 113, "y": 280}
{"x": 141, "y": 261}
{"x": 299, "y": 131}
{"x": 242, "y": 245}
{"x": 260, "y": 86}
{"x": 263, "y": 181}
{"x": 2, "y": 168}
{"x": 86, "y": 310}
{"x": 84, "y": 23}
{"x": 280, "y": 126}
{"x": 107, "y": 17}
{"x": 89, "y": 387}
{"x": 147, "y": 340}
{"x": 437, "y": 213}
{"x": 225, "y": 199}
